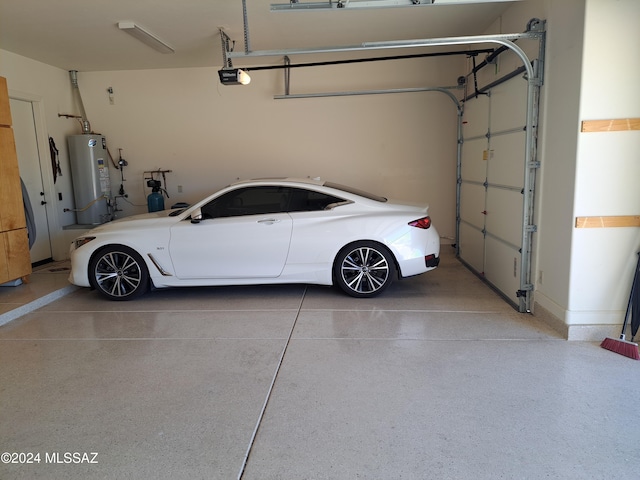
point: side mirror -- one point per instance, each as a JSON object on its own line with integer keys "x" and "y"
{"x": 196, "y": 216}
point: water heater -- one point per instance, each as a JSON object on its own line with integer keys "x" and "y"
{"x": 88, "y": 157}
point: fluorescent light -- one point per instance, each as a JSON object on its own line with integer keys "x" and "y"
{"x": 234, "y": 76}
{"x": 145, "y": 37}
{"x": 283, "y": 7}
{"x": 354, "y": 4}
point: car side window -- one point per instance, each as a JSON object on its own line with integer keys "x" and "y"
{"x": 249, "y": 201}
{"x": 303, "y": 200}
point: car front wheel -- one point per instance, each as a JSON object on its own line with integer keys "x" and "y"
{"x": 118, "y": 273}
{"x": 364, "y": 269}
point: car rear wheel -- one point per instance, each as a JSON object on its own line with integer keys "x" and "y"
{"x": 364, "y": 269}
{"x": 118, "y": 273}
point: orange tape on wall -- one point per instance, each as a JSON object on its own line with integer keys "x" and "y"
{"x": 615, "y": 125}
{"x": 608, "y": 222}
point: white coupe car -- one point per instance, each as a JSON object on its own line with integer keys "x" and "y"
{"x": 261, "y": 232}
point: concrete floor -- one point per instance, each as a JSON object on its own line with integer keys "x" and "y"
{"x": 436, "y": 379}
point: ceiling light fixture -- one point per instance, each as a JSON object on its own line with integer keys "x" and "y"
{"x": 145, "y": 37}
{"x": 355, "y": 4}
{"x": 234, "y": 76}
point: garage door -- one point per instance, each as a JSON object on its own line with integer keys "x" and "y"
{"x": 497, "y": 187}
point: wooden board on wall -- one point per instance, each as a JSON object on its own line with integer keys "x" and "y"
{"x": 4, "y": 265}
{"x": 15, "y": 260}
{"x": 613, "y": 125}
{"x": 12, "y": 211}
{"x": 17, "y": 248}
{"x": 5, "y": 111}
{"x": 608, "y": 222}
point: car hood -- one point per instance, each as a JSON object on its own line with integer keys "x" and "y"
{"x": 143, "y": 219}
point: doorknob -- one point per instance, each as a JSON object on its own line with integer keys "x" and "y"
{"x": 43, "y": 202}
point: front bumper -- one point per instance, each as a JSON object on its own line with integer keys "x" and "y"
{"x": 79, "y": 264}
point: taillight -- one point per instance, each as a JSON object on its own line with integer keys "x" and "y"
{"x": 424, "y": 223}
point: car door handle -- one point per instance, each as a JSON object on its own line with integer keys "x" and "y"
{"x": 269, "y": 221}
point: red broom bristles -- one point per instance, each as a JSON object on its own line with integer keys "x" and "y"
{"x": 628, "y": 349}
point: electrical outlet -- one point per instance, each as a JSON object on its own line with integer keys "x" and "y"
{"x": 179, "y": 188}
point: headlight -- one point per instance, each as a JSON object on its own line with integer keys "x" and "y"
{"x": 80, "y": 241}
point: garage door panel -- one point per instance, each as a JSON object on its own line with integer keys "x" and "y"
{"x": 472, "y": 247}
{"x": 474, "y": 168}
{"x": 472, "y": 205}
{"x": 506, "y": 166}
{"x": 502, "y": 267}
{"x": 475, "y": 121}
{"x": 497, "y": 201}
{"x": 504, "y": 215}
{"x": 508, "y": 105}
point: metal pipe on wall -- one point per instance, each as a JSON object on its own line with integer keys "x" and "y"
{"x": 86, "y": 126}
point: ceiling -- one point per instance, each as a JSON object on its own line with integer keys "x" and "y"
{"x": 83, "y": 35}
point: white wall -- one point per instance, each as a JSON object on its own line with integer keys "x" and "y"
{"x": 603, "y": 259}
{"x": 402, "y": 146}
{"x": 558, "y": 149}
{"x": 209, "y": 135}
{"x": 584, "y": 275}
{"x": 49, "y": 88}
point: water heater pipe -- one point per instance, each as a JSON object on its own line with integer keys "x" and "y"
{"x": 86, "y": 126}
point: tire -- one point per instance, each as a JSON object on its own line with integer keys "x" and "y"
{"x": 118, "y": 273}
{"x": 364, "y": 269}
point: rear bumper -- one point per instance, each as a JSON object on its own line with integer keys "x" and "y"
{"x": 431, "y": 261}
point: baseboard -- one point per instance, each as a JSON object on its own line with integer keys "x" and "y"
{"x": 547, "y": 317}
{"x": 591, "y": 332}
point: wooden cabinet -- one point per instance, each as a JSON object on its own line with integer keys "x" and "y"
{"x": 5, "y": 112}
{"x": 15, "y": 261}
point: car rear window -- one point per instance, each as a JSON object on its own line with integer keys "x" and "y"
{"x": 356, "y": 191}
{"x": 303, "y": 200}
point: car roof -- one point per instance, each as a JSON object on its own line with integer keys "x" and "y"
{"x": 343, "y": 190}
{"x": 309, "y": 181}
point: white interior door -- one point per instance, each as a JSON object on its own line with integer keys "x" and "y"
{"x": 31, "y": 173}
